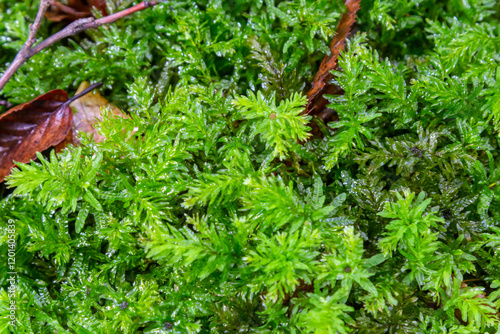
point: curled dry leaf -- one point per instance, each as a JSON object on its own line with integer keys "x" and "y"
{"x": 73, "y": 9}
{"x": 321, "y": 85}
{"x": 88, "y": 110}
{"x": 34, "y": 126}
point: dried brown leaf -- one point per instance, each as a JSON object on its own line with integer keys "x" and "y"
{"x": 321, "y": 84}
{"x": 31, "y": 127}
{"x": 35, "y": 126}
{"x": 88, "y": 112}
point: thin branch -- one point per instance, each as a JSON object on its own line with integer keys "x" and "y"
{"x": 44, "y": 4}
{"x": 89, "y": 23}
{"x": 29, "y": 50}
{"x": 23, "y": 55}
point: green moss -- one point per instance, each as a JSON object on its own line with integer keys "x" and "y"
{"x": 206, "y": 213}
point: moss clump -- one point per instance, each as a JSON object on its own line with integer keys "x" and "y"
{"x": 212, "y": 209}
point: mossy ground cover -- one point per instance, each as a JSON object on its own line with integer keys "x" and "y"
{"x": 212, "y": 209}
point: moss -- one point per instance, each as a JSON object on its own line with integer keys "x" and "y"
{"x": 211, "y": 209}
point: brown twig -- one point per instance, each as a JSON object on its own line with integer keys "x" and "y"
{"x": 28, "y": 50}
{"x": 24, "y": 54}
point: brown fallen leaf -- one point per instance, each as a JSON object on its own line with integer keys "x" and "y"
{"x": 88, "y": 112}
{"x": 73, "y": 9}
{"x": 34, "y": 126}
{"x": 321, "y": 85}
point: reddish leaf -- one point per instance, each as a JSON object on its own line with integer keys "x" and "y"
{"x": 31, "y": 127}
{"x": 35, "y": 126}
{"x": 73, "y": 10}
{"x": 321, "y": 86}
